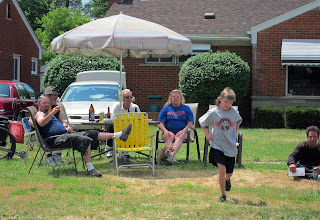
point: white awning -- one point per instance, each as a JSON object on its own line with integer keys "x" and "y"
{"x": 300, "y": 52}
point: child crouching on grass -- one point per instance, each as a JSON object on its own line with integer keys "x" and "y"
{"x": 225, "y": 121}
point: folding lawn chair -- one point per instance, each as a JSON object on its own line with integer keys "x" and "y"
{"x": 192, "y": 134}
{"x": 42, "y": 144}
{"x": 138, "y": 141}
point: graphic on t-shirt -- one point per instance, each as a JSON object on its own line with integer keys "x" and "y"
{"x": 224, "y": 124}
{"x": 176, "y": 114}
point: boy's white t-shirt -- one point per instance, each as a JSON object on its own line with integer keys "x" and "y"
{"x": 224, "y": 129}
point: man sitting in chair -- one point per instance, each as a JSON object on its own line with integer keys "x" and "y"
{"x": 127, "y": 106}
{"x": 307, "y": 153}
{"x": 52, "y": 93}
{"x": 50, "y": 126}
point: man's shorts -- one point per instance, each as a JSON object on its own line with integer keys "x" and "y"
{"x": 217, "y": 156}
{"x": 80, "y": 140}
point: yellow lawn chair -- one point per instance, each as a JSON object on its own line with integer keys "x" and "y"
{"x": 138, "y": 141}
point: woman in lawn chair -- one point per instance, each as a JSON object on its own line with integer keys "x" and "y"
{"x": 175, "y": 119}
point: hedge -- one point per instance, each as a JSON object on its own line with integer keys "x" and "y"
{"x": 63, "y": 69}
{"x": 204, "y": 76}
{"x": 268, "y": 117}
{"x": 301, "y": 117}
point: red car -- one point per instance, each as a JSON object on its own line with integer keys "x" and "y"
{"x": 11, "y": 90}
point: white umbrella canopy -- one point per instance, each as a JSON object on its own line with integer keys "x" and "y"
{"x": 120, "y": 36}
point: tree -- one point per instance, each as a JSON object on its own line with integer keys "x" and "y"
{"x": 57, "y": 22}
{"x": 34, "y": 10}
{"x": 71, "y": 4}
{"x": 63, "y": 69}
{"x": 96, "y": 8}
{"x": 203, "y": 77}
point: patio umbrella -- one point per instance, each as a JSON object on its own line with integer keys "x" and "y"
{"x": 120, "y": 36}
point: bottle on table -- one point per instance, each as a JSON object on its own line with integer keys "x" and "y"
{"x": 315, "y": 174}
{"x": 91, "y": 113}
{"x": 108, "y": 113}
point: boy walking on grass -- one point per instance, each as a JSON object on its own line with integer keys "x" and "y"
{"x": 225, "y": 121}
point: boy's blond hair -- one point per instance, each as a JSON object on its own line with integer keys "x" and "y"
{"x": 226, "y": 93}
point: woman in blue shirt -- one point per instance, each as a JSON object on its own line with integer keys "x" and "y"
{"x": 175, "y": 119}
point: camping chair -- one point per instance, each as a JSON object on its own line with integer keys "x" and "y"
{"x": 29, "y": 134}
{"x": 138, "y": 141}
{"x": 239, "y": 144}
{"x": 42, "y": 144}
{"x": 192, "y": 134}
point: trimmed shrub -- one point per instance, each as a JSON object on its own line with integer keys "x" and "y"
{"x": 301, "y": 117}
{"x": 204, "y": 76}
{"x": 268, "y": 117}
{"x": 63, "y": 69}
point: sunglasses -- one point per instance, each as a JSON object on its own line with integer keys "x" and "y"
{"x": 128, "y": 97}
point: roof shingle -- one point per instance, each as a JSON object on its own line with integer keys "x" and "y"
{"x": 233, "y": 17}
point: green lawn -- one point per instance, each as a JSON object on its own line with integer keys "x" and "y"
{"x": 260, "y": 189}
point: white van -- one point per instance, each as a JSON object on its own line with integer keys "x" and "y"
{"x": 99, "y": 88}
{"x": 104, "y": 75}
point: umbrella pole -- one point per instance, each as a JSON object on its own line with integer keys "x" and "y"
{"x": 121, "y": 70}
{"x": 121, "y": 79}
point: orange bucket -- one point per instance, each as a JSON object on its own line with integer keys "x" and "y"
{"x": 16, "y": 128}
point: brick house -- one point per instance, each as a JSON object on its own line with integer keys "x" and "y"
{"x": 20, "y": 49}
{"x": 273, "y": 37}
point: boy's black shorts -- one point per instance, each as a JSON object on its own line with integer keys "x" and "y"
{"x": 217, "y": 156}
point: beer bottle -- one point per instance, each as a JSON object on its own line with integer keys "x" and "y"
{"x": 108, "y": 113}
{"x": 91, "y": 113}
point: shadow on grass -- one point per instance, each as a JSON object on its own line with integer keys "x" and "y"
{"x": 191, "y": 169}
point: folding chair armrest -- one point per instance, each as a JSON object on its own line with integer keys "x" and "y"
{"x": 157, "y": 133}
{"x": 29, "y": 133}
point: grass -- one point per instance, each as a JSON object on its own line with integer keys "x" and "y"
{"x": 260, "y": 189}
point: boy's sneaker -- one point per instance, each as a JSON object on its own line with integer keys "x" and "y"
{"x": 49, "y": 160}
{"x": 223, "y": 198}
{"x": 109, "y": 154}
{"x": 125, "y": 133}
{"x": 228, "y": 185}
{"x": 94, "y": 173}
{"x": 126, "y": 154}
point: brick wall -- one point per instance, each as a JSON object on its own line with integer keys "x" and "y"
{"x": 144, "y": 80}
{"x": 270, "y": 77}
{"x": 16, "y": 39}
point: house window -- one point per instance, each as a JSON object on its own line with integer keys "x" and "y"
{"x": 34, "y": 66}
{"x": 197, "y": 48}
{"x": 160, "y": 60}
{"x": 16, "y": 67}
{"x": 303, "y": 80}
{"x": 182, "y": 59}
{"x": 8, "y": 11}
